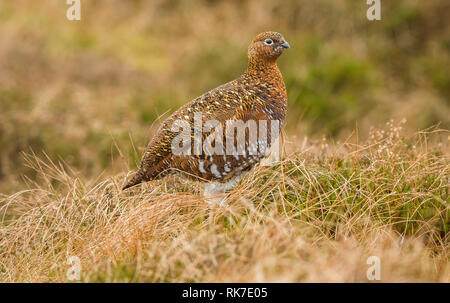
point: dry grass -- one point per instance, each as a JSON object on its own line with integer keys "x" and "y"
{"x": 315, "y": 216}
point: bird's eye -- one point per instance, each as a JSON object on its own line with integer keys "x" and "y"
{"x": 268, "y": 42}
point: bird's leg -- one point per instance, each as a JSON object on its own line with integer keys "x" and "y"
{"x": 272, "y": 156}
{"x": 214, "y": 192}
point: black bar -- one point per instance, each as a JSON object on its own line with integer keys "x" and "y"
{"x": 227, "y": 292}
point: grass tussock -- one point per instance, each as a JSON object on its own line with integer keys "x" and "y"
{"x": 315, "y": 216}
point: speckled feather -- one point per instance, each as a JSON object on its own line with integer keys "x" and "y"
{"x": 258, "y": 94}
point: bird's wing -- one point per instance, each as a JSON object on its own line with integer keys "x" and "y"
{"x": 221, "y": 104}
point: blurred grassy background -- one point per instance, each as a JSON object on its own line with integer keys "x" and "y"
{"x": 76, "y": 90}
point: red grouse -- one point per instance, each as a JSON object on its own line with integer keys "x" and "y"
{"x": 223, "y": 133}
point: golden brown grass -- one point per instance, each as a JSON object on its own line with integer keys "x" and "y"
{"x": 315, "y": 216}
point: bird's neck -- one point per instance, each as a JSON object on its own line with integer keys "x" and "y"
{"x": 264, "y": 70}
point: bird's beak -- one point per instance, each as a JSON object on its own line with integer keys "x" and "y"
{"x": 285, "y": 45}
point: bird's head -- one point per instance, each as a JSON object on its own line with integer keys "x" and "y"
{"x": 267, "y": 47}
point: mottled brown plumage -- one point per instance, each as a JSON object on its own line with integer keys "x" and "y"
{"x": 258, "y": 94}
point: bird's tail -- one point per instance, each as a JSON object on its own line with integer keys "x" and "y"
{"x": 135, "y": 180}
